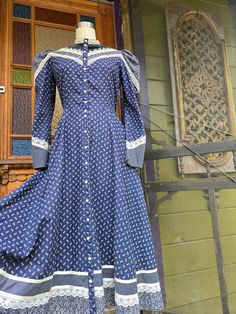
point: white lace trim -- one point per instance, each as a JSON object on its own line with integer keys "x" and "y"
{"x": 142, "y": 286}
{"x": 133, "y": 299}
{"x": 137, "y": 142}
{"x": 128, "y": 300}
{"x": 44, "y": 60}
{"x": 146, "y": 271}
{"x": 99, "y": 50}
{"x": 108, "y": 282}
{"x": 36, "y": 141}
{"x": 13, "y": 301}
{"x": 8, "y": 300}
{"x": 20, "y": 302}
{"x": 41, "y": 65}
{"x": 71, "y": 272}
{"x": 149, "y": 287}
{"x": 32, "y": 280}
{"x": 90, "y": 52}
{"x": 67, "y": 49}
{"x": 134, "y": 79}
{"x": 113, "y": 55}
{"x": 79, "y": 61}
{"x": 116, "y": 53}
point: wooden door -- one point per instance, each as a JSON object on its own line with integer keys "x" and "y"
{"x": 27, "y": 27}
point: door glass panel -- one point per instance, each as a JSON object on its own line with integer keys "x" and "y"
{"x": 21, "y": 10}
{"x": 21, "y": 43}
{"x": 20, "y": 76}
{"x": 21, "y": 147}
{"x": 21, "y": 114}
{"x": 56, "y": 30}
{"x": 52, "y": 38}
{"x": 53, "y": 16}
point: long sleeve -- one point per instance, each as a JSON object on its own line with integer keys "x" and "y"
{"x": 133, "y": 121}
{"x": 45, "y": 91}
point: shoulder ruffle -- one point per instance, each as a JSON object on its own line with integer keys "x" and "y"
{"x": 133, "y": 66}
{"x": 39, "y": 57}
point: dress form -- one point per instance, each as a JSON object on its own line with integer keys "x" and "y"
{"x": 86, "y": 30}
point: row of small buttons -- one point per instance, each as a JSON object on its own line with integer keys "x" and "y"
{"x": 86, "y": 181}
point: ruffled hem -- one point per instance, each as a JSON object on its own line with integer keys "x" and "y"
{"x": 71, "y": 304}
{"x": 69, "y": 291}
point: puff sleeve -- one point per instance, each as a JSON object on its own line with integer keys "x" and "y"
{"x": 45, "y": 91}
{"x": 133, "y": 121}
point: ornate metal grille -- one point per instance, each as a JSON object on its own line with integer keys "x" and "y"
{"x": 203, "y": 84}
{"x": 202, "y": 96}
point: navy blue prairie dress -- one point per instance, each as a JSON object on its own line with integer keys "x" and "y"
{"x": 75, "y": 236}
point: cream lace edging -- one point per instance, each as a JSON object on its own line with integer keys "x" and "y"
{"x": 19, "y": 302}
{"x": 8, "y": 300}
{"x": 13, "y": 301}
{"x": 130, "y": 145}
{"x": 142, "y": 287}
{"x": 90, "y": 52}
{"x": 95, "y": 51}
{"x": 137, "y": 142}
{"x": 36, "y": 141}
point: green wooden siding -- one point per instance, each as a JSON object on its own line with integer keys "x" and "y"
{"x": 189, "y": 261}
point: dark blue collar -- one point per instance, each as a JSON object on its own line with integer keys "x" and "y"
{"x": 90, "y": 45}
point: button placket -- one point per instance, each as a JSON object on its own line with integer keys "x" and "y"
{"x": 86, "y": 180}
{"x": 85, "y": 101}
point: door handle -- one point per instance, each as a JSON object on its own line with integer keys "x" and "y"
{"x": 2, "y": 89}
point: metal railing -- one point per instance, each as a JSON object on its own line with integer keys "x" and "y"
{"x": 210, "y": 183}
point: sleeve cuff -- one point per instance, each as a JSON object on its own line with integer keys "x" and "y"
{"x": 135, "y": 156}
{"x": 39, "y": 157}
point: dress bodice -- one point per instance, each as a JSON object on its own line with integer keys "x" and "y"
{"x": 93, "y": 71}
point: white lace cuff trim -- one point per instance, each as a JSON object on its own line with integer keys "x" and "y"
{"x": 137, "y": 142}
{"x": 36, "y": 141}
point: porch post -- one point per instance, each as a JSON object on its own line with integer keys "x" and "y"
{"x": 118, "y": 23}
{"x": 139, "y": 51}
